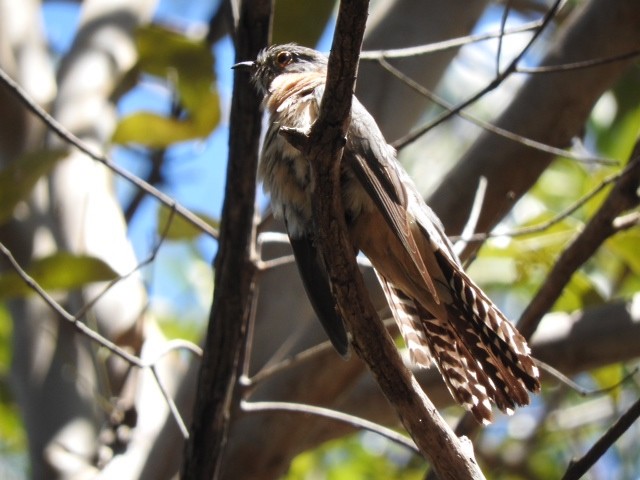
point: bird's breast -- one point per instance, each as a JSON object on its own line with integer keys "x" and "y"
{"x": 285, "y": 172}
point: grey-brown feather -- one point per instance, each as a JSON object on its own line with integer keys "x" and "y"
{"x": 442, "y": 314}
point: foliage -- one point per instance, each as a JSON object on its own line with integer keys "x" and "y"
{"x": 188, "y": 66}
{"x": 60, "y": 271}
{"x": 362, "y": 456}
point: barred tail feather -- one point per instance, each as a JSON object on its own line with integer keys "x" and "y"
{"x": 505, "y": 345}
{"x": 406, "y": 316}
{"x": 480, "y": 355}
{"x": 464, "y": 376}
{"x": 430, "y": 340}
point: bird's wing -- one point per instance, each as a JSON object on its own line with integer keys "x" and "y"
{"x": 376, "y": 167}
{"x": 316, "y": 284}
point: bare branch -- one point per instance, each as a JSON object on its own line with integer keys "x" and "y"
{"x": 351, "y": 420}
{"x": 370, "y": 339}
{"x": 474, "y": 215}
{"x": 577, "y": 468}
{"x": 594, "y": 62}
{"x": 501, "y": 77}
{"x": 445, "y": 45}
{"x": 583, "y": 392}
{"x": 488, "y": 126}
{"x": 216, "y": 397}
{"x": 503, "y": 23}
{"x": 68, "y": 137}
{"x": 81, "y": 327}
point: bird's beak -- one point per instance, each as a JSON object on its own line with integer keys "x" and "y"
{"x": 248, "y": 65}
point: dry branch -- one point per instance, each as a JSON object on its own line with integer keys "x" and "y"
{"x": 217, "y": 395}
{"x": 323, "y": 149}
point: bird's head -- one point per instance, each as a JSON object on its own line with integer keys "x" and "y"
{"x": 279, "y": 59}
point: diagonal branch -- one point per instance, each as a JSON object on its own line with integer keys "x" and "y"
{"x": 499, "y": 79}
{"x": 577, "y": 468}
{"x": 335, "y": 415}
{"x": 623, "y": 196}
{"x": 67, "y": 136}
{"x": 370, "y": 339}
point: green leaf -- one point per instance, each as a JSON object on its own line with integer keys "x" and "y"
{"x": 579, "y": 293}
{"x": 188, "y": 65}
{"x": 300, "y": 22}
{"x": 607, "y": 377}
{"x": 181, "y": 229}
{"x": 19, "y": 177}
{"x": 61, "y": 271}
{"x": 625, "y": 245}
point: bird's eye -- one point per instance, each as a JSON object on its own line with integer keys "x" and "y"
{"x": 284, "y": 59}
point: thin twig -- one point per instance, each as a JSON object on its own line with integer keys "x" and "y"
{"x": 474, "y": 215}
{"x": 81, "y": 327}
{"x": 583, "y": 392}
{"x": 503, "y": 23}
{"x": 511, "y": 68}
{"x": 624, "y": 222}
{"x": 368, "y": 55}
{"x": 175, "y": 413}
{"x": 577, "y": 468}
{"x": 449, "y": 108}
{"x": 171, "y": 346}
{"x": 150, "y": 258}
{"x": 353, "y": 421}
{"x": 578, "y": 65}
{"x": 288, "y": 362}
{"x": 63, "y": 133}
{"x": 541, "y": 227}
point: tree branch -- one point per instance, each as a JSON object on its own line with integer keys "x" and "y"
{"x": 234, "y": 269}
{"x": 577, "y": 468}
{"x": 370, "y": 339}
{"x": 562, "y": 105}
{"x": 622, "y": 197}
{"x": 68, "y": 137}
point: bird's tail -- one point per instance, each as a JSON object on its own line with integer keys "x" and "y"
{"x": 480, "y": 355}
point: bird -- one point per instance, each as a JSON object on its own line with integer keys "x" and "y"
{"x": 442, "y": 315}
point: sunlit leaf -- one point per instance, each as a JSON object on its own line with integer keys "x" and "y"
{"x": 61, "y": 271}
{"x": 626, "y": 245}
{"x": 156, "y": 131}
{"x": 608, "y": 377}
{"x": 188, "y": 65}
{"x": 19, "y": 177}
{"x": 179, "y": 228}
{"x": 579, "y": 293}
